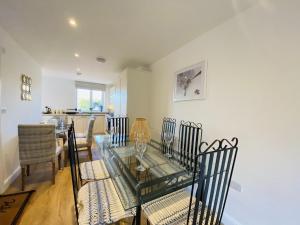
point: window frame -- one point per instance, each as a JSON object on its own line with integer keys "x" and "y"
{"x": 91, "y": 98}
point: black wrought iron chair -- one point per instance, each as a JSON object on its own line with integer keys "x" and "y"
{"x": 213, "y": 169}
{"x": 96, "y": 202}
{"x": 91, "y": 170}
{"x": 190, "y": 138}
{"x": 168, "y": 126}
{"x": 118, "y": 128}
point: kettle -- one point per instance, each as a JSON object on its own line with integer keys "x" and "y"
{"x": 48, "y": 110}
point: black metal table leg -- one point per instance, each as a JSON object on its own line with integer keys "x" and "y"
{"x": 138, "y": 215}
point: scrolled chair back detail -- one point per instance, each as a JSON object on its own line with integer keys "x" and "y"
{"x": 212, "y": 176}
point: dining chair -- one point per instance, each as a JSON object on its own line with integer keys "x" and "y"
{"x": 91, "y": 170}
{"x": 190, "y": 138}
{"x": 85, "y": 142}
{"x": 118, "y": 128}
{"x": 37, "y": 144}
{"x": 168, "y": 126}
{"x": 212, "y": 175}
{"x": 96, "y": 202}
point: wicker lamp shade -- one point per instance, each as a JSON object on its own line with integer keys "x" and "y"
{"x": 140, "y": 125}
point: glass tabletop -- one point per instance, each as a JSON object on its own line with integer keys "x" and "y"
{"x": 160, "y": 177}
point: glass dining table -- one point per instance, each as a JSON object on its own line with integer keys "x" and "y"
{"x": 161, "y": 176}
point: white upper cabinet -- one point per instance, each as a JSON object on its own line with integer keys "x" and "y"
{"x": 132, "y": 93}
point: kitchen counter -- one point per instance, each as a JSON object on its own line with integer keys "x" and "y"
{"x": 81, "y": 120}
{"x": 77, "y": 114}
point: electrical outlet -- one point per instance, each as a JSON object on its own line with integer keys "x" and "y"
{"x": 236, "y": 186}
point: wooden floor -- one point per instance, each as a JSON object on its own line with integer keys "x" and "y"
{"x": 50, "y": 204}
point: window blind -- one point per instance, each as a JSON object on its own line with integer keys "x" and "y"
{"x": 90, "y": 86}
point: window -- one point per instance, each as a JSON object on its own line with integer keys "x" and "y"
{"x": 90, "y": 100}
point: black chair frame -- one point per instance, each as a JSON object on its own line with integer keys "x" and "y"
{"x": 75, "y": 149}
{"x": 212, "y": 174}
{"x": 121, "y": 129}
{"x": 74, "y": 172}
{"x": 190, "y": 138}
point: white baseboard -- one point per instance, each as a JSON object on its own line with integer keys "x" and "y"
{"x": 229, "y": 220}
{"x": 10, "y": 179}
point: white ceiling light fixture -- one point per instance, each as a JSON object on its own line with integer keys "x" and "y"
{"x": 72, "y": 22}
{"x": 76, "y": 55}
{"x": 101, "y": 59}
{"x": 78, "y": 72}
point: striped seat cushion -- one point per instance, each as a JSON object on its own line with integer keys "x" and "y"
{"x": 171, "y": 209}
{"x": 98, "y": 203}
{"x": 93, "y": 170}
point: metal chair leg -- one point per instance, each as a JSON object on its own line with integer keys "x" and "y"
{"x": 53, "y": 172}
{"x": 23, "y": 174}
{"x": 133, "y": 221}
{"x": 28, "y": 170}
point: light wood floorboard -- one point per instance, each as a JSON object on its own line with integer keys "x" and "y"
{"x": 50, "y": 204}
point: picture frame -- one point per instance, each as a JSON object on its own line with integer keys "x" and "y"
{"x": 26, "y": 87}
{"x": 190, "y": 83}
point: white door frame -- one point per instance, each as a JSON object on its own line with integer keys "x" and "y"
{"x": 2, "y": 51}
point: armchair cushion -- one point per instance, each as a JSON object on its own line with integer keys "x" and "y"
{"x": 37, "y": 143}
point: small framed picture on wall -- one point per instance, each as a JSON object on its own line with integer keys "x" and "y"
{"x": 190, "y": 83}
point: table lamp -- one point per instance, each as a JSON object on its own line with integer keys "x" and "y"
{"x": 140, "y": 125}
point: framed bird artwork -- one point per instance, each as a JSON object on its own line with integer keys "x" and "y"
{"x": 190, "y": 83}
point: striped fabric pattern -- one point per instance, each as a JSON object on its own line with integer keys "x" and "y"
{"x": 98, "y": 203}
{"x": 171, "y": 209}
{"x": 37, "y": 143}
{"x": 93, "y": 170}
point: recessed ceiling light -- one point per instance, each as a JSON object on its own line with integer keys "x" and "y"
{"x": 76, "y": 55}
{"x": 72, "y": 22}
{"x": 101, "y": 59}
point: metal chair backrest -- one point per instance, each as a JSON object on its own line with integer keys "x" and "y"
{"x": 75, "y": 149}
{"x": 212, "y": 176}
{"x": 120, "y": 128}
{"x": 190, "y": 138}
{"x": 168, "y": 126}
{"x": 72, "y": 157}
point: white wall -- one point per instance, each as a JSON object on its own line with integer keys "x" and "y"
{"x": 138, "y": 86}
{"x": 58, "y": 93}
{"x": 252, "y": 93}
{"x": 14, "y": 62}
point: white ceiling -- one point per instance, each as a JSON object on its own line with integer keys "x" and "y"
{"x": 125, "y": 32}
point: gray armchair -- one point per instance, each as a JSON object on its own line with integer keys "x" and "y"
{"x": 37, "y": 144}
